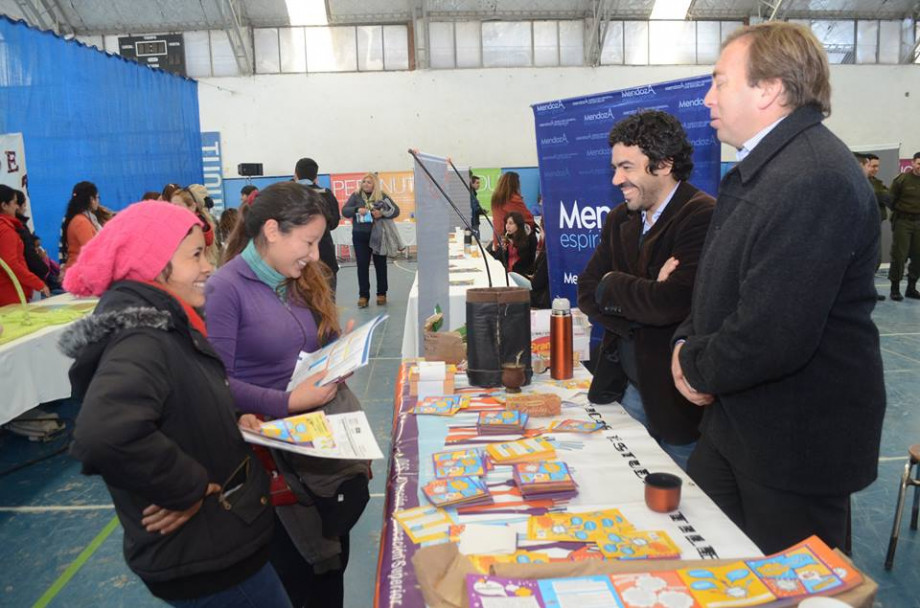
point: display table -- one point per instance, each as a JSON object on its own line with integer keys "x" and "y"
{"x": 478, "y": 277}
{"x": 609, "y": 467}
{"x": 32, "y": 369}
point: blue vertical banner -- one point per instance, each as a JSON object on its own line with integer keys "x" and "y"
{"x": 213, "y": 171}
{"x": 575, "y": 172}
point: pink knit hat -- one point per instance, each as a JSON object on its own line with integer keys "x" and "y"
{"x": 136, "y": 244}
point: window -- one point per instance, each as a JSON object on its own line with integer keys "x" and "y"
{"x": 672, "y": 42}
{"x": 545, "y": 43}
{"x": 293, "y": 50}
{"x": 265, "y": 43}
{"x": 469, "y": 44}
{"x": 635, "y": 34}
{"x": 441, "y": 45}
{"x": 331, "y": 49}
{"x": 507, "y": 44}
{"x": 612, "y": 51}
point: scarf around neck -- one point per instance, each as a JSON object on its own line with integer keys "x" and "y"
{"x": 265, "y": 273}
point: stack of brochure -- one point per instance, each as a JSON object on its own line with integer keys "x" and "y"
{"x": 459, "y": 463}
{"x": 506, "y": 422}
{"x": 545, "y": 480}
{"x": 524, "y": 450}
{"x": 458, "y": 492}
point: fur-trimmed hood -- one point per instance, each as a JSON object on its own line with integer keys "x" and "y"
{"x": 126, "y": 306}
{"x": 101, "y": 327}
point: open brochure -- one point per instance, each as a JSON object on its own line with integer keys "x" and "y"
{"x": 351, "y": 439}
{"x": 339, "y": 358}
{"x": 807, "y": 569}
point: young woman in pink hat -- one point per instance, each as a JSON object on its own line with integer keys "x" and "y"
{"x": 158, "y": 421}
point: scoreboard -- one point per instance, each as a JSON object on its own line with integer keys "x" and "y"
{"x": 164, "y": 51}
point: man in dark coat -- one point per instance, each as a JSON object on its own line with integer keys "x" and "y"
{"x": 638, "y": 283}
{"x": 869, "y": 165}
{"x": 305, "y": 173}
{"x": 780, "y": 349}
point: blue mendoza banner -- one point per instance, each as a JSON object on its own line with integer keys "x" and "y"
{"x": 575, "y": 172}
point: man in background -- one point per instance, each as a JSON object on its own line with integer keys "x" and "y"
{"x": 305, "y": 172}
{"x": 869, "y": 165}
{"x": 475, "y": 207}
{"x": 905, "y": 231}
{"x": 245, "y": 192}
{"x": 639, "y": 281}
{"x": 780, "y": 349}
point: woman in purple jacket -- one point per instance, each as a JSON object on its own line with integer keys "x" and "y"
{"x": 269, "y": 301}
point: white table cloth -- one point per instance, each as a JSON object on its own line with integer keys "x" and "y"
{"x": 32, "y": 369}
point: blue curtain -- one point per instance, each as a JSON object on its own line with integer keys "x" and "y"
{"x": 88, "y": 115}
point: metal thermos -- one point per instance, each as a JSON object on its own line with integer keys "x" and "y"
{"x": 560, "y": 340}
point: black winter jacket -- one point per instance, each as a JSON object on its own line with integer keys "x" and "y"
{"x": 781, "y": 328}
{"x": 158, "y": 424}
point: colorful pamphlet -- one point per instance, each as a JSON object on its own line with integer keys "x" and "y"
{"x": 653, "y": 590}
{"x": 484, "y": 402}
{"x": 728, "y": 586}
{"x": 310, "y": 430}
{"x": 523, "y": 450}
{"x": 807, "y": 569}
{"x": 639, "y": 544}
{"x": 425, "y": 524}
{"x": 457, "y": 491}
{"x": 338, "y": 359}
{"x": 506, "y": 422}
{"x": 584, "y": 591}
{"x": 439, "y": 406}
{"x": 549, "y": 479}
{"x": 574, "y": 426}
{"x": 350, "y": 437}
{"x": 495, "y": 592}
{"x": 577, "y": 527}
{"x": 459, "y": 463}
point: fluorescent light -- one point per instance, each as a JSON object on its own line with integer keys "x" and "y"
{"x": 307, "y": 12}
{"x": 674, "y": 10}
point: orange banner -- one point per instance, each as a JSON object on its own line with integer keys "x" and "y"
{"x": 399, "y": 185}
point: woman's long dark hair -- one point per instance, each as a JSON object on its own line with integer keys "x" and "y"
{"x": 81, "y": 199}
{"x": 520, "y": 237}
{"x": 291, "y": 205}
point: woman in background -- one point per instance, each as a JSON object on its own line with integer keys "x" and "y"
{"x": 518, "y": 246}
{"x": 193, "y": 198}
{"x": 157, "y": 420}
{"x": 505, "y": 199}
{"x": 80, "y": 222}
{"x": 34, "y": 260}
{"x": 226, "y": 224}
{"x": 168, "y": 191}
{"x": 268, "y": 302}
{"x": 12, "y": 252}
{"x": 368, "y": 204}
